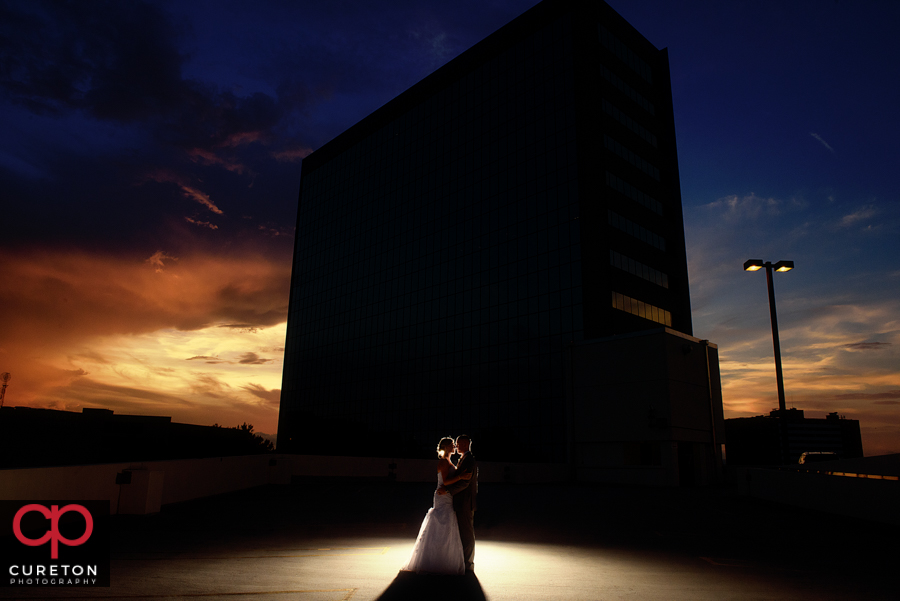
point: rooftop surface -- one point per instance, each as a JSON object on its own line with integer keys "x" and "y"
{"x": 330, "y": 541}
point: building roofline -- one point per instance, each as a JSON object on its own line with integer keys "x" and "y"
{"x": 535, "y": 17}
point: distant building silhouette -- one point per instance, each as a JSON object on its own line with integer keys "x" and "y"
{"x": 462, "y": 248}
{"x": 33, "y": 437}
{"x": 781, "y": 437}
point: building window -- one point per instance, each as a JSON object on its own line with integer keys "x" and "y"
{"x": 637, "y": 268}
{"x": 641, "y": 309}
{"x": 633, "y": 158}
{"x": 628, "y": 122}
{"x": 633, "y": 193}
{"x": 626, "y": 89}
{"x": 625, "y": 54}
{"x": 639, "y": 232}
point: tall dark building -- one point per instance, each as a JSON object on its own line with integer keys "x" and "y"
{"x": 451, "y": 246}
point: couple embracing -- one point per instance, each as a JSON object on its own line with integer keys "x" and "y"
{"x": 446, "y": 541}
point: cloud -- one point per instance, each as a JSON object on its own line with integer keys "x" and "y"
{"x": 201, "y": 198}
{"x": 209, "y": 157}
{"x": 164, "y": 176}
{"x": 275, "y": 231}
{"x": 63, "y": 295}
{"x": 158, "y": 259}
{"x": 244, "y": 327}
{"x": 244, "y": 137}
{"x": 871, "y": 396}
{"x": 121, "y": 63}
{"x": 202, "y": 223}
{"x": 206, "y": 359}
{"x": 824, "y": 143}
{"x": 91, "y": 357}
{"x": 867, "y": 346}
{"x": 22, "y": 166}
{"x": 735, "y": 208}
{"x": 94, "y": 329}
{"x": 150, "y": 367}
{"x": 116, "y": 61}
{"x": 209, "y": 385}
{"x": 436, "y": 44}
{"x": 272, "y": 397}
{"x": 293, "y": 155}
{"x": 244, "y": 359}
{"x": 87, "y": 392}
{"x": 252, "y": 359}
{"x": 861, "y": 214}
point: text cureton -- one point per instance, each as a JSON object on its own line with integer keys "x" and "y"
{"x": 52, "y": 570}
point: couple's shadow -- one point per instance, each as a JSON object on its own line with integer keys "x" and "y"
{"x": 409, "y": 586}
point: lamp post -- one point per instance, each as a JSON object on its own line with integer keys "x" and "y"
{"x": 756, "y": 265}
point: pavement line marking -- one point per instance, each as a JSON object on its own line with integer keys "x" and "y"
{"x": 372, "y": 551}
{"x": 346, "y": 597}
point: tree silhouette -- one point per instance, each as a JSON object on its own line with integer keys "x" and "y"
{"x": 248, "y": 442}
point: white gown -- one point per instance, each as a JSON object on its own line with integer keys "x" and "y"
{"x": 438, "y": 549}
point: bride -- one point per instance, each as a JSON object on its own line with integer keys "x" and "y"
{"x": 438, "y": 549}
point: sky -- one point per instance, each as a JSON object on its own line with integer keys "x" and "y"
{"x": 150, "y": 163}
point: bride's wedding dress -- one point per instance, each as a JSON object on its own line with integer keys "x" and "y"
{"x": 438, "y": 549}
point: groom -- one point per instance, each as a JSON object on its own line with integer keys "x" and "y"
{"x": 464, "y": 493}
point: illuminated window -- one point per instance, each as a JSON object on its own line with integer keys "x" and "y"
{"x": 641, "y": 309}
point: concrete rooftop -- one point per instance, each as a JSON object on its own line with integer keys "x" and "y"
{"x": 330, "y": 541}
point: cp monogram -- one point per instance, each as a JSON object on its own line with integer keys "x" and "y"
{"x": 53, "y": 534}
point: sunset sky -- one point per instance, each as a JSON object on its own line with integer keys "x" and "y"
{"x": 150, "y": 163}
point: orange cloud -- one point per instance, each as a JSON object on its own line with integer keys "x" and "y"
{"x": 158, "y": 259}
{"x": 271, "y": 397}
{"x": 164, "y": 176}
{"x": 85, "y": 329}
{"x": 208, "y": 157}
{"x": 202, "y": 223}
{"x": 293, "y": 155}
{"x": 201, "y": 198}
{"x": 244, "y": 137}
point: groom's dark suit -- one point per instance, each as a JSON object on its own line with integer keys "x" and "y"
{"x": 464, "y": 493}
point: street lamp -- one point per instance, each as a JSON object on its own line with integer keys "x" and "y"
{"x": 756, "y": 265}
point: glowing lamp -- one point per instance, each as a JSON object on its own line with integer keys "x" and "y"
{"x": 753, "y": 265}
{"x": 783, "y": 266}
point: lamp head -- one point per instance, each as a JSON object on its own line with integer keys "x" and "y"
{"x": 783, "y": 265}
{"x": 753, "y": 265}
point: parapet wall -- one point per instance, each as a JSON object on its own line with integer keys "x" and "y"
{"x": 143, "y": 487}
{"x": 870, "y": 498}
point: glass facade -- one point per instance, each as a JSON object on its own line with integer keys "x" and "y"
{"x": 439, "y": 265}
